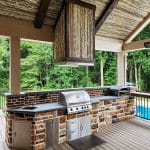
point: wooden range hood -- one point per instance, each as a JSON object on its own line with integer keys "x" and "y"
{"x": 74, "y": 43}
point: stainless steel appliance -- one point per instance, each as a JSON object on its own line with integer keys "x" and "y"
{"x": 76, "y": 101}
{"x": 119, "y": 90}
{"x": 78, "y": 128}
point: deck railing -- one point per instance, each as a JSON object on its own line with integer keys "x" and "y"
{"x": 2, "y": 100}
{"x": 142, "y": 104}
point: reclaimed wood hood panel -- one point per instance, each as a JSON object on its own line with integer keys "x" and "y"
{"x": 74, "y": 43}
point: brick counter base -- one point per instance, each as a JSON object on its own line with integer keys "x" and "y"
{"x": 41, "y": 97}
{"x": 103, "y": 113}
{"x": 111, "y": 111}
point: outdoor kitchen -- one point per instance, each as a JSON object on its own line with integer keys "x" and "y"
{"x": 73, "y": 116}
{"x": 62, "y": 115}
{"x": 42, "y": 120}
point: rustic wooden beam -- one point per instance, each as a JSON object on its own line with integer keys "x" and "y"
{"x": 43, "y": 7}
{"x": 84, "y": 4}
{"x": 138, "y": 29}
{"x": 62, "y": 7}
{"x": 105, "y": 14}
{"x": 138, "y": 45}
{"x": 25, "y": 29}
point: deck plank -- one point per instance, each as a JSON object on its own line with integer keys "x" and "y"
{"x": 129, "y": 134}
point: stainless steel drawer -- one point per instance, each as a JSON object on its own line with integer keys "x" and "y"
{"x": 72, "y": 124}
{"x": 72, "y": 135}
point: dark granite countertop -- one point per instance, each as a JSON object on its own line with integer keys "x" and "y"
{"x": 40, "y": 108}
{"x": 56, "y": 106}
{"x": 96, "y": 99}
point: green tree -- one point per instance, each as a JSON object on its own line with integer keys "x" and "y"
{"x": 4, "y": 64}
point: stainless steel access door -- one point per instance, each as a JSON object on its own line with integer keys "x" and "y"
{"x": 84, "y": 126}
{"x": 78, "y": 128}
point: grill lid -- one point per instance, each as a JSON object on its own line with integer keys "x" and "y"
{"x": 76, "y": 97}
{"x": 119, "y": 90}
{"x": 76, "y": 101}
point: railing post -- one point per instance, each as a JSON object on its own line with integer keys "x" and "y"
{"x": 15, "y": 65}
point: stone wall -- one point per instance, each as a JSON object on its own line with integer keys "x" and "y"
{"x": 111, "y": 111}
{"x": 38, "y": 136}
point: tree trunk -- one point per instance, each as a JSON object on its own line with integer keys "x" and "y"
{"x": 130, "y": 74}
{"x": 139, "y": 77}
{"x": 72, "y": 86}
{"x": 87, "y": 71}
{"x": 102, "y": 73}
{"x": 136, "y": 75}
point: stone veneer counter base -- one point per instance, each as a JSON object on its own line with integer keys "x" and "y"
{"x": 104, "y": 111}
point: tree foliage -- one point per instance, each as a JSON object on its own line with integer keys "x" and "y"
{"x": 4, "y": 64}
{"x": 139, "y": 64}
{"x": 39, "y": 72}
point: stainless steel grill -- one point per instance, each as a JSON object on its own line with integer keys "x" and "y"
{"x": 75, "y": 101}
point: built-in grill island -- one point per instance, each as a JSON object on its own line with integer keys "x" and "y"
{"x": 77, "y": 102}
{"x": 62, "y": 115}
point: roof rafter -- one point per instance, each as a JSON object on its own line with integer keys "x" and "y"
{"x": 138, "y": 29}
{"x": 105, "y": 14}
{"x": 137, "y": 45}
{"x": 43, "y": 7}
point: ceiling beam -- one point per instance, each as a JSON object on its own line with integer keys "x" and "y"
{"x": 62, "y": 7}
{"x": 138, "y": 29}
{"x": 137, "y": 45}
{"x": 105, "y": 14}
{"x": 25, "y": 29}
{"x": 107, "y": 44}
{"x": 43, "y": 7}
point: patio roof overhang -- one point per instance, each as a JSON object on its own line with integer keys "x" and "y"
{"x": 117, "y": 23}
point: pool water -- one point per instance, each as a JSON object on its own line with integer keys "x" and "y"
{"x": 143, "y": 112}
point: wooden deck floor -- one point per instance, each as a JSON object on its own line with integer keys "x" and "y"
{"x": 126, "y": 135}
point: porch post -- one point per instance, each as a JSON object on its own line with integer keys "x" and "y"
{"x": 121, "y": 68}
{"x": 14, "y": 65}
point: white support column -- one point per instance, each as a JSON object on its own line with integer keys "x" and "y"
{"x": 121, "y": 68}
{"x": 14, "y": 65}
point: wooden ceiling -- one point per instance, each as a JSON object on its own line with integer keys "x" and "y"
{"x": 123, "y": 19}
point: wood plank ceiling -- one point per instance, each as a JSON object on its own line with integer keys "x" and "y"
{"x": 119, "y": 24}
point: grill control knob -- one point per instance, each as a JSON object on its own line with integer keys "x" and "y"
{"x": 87, "y": 107}
{"x": 76, "y": 108}
{"x": 71, "y": 109}
{"x": 82, "y": 107}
